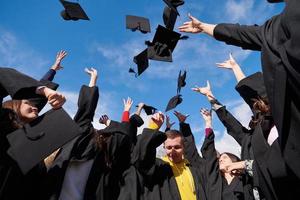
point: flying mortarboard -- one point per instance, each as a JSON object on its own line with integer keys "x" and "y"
{"x": 149, "y": 110}
{"x": 181, "y": 81}
{"x": 36, "y": 140}
{"x": 169, "y": 17}
{"x": 173, "y": 4}
{"x": 142, "y": 63}
{"x": 275, "y": 1}
{"x": 173, "y": 102}
{"x": 163, "y": 44}
{"x": 73, "y": 11}
{"x": 138, "y": 23}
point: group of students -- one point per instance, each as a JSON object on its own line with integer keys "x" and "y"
{"x": 81, "y": 162}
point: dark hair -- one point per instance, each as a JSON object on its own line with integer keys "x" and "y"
{"x": 233, "y": 157}
{"x": 101, "y": 140}
{"x": 261, "y": 108}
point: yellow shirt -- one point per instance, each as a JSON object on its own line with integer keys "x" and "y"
{"x": 184, "y": 179}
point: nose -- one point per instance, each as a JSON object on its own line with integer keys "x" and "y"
{"x": 34, "y": 108}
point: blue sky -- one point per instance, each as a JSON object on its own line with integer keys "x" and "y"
{"x": 32, "y": 32}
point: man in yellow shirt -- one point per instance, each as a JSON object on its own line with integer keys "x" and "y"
{"x": 172, "y": 177}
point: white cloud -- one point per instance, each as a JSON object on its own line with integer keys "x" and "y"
{"x": 242, "y": 11}
{"x": 228, "y": 144}
{"x": 14, "y": 53}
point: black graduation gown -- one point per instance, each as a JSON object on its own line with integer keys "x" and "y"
{"x": 154, "y": 177}
{"x": 278, "y": 40}
{"x": 269, "y": 168}
{"x": 13, "y": 184}
{"x": 217, "y": 185}
{"x": 103, "y": 181}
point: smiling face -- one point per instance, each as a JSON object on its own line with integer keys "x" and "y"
{"x": 27, "y": 111}
{"x": 174, "y": 147}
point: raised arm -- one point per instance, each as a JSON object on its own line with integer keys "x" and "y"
{"x": 233, "y": 126}
{"x": 209, "y": 153}
{"x": 49, "y": 76}
{"x": 126, "y": 112}
{"x": 232, "y": 65}
{"x": 169, "y": 124}
{"x": 247, "y": 37}
{"x": 149, "y": 140}
{"x": 87, "y": 101}
{"x": 190, "y": 148}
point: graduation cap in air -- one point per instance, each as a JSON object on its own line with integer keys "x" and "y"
{"x": 163, "y": 44}
{"x": 275, "y": 1}
{"x": 36, "y": 140}
{"x": 251, "y": 88}
{"x": 138, "y": 23}
{"x": 73, "y": 11}
{"x": 173, "y": 102}
{"x": 181, "y": 81}
{"x": 142, "y": 63}
{"x": 169, "y": 17}
{"x": 149, "y": 110}
{"x": 173, "y": 4}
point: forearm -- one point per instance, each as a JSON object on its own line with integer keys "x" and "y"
{"x": 239, "y": 74}
{"x": 247, "y": 37}
{"x": 49, "y": 76}
{"x": 93, "y": 81}
{"x": 208, "y": 29}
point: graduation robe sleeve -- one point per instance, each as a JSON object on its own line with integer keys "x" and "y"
{"x": 233, "y": 126}
{"x": 247, "y": 37}
{"x": 87, "y": 103}
{"x": 190, "y": 149}
{"x": 213, "y": 175}
{"x": 146, "y": 151}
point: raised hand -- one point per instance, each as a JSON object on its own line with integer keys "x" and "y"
{"x": 104, "y": 119}
{"x": 157, "y": 119}
{"x": 228, "y": 64}
{"x": 181, "y": 117}
{"x": 94, "y": 75}
{"x": 169, "y": 124}
{"x": 193, "y": 26}
{"x": 205, "y": 91}
{"x": 206, "y": 115}
{"x": 139, "y": 109}
{"x": 127, "y": 104}
{"x": 59, "y": 57}
{"x": 55, "y": 99}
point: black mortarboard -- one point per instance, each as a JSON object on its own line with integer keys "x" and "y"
{"x": 173, "y": 4}
{"x": 73, "y": 11}
{"x": 174, "y": 101}
{"x": 163, "y": 44}
{"x": 251, "y": 88}
{"x": 275, "y": 1}
{"x": 149, "y": 110}
{"x": 181, "y": 81}
{"x": 142, "y": 63}
{"x": 36, "y": 140}
{"x": 138, "y": 23}
{"x": 169, "y": 17}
